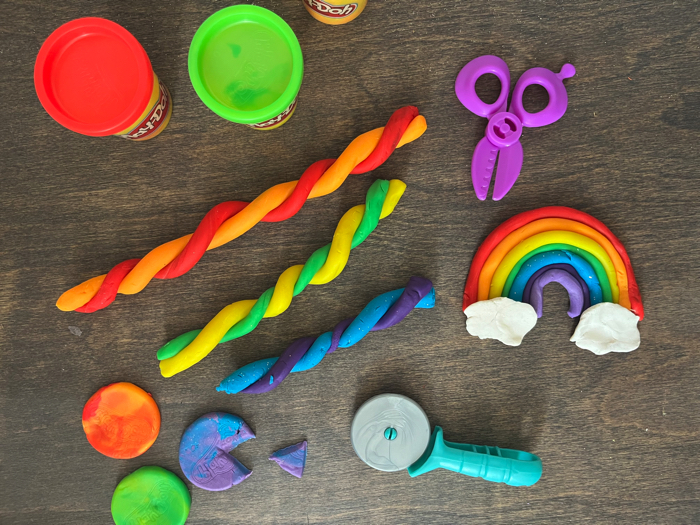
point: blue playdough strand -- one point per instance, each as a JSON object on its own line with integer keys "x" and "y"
{"x": 348, "y": 333}
{"x": 358, "y": 329}
{"x": 534, "y": 263}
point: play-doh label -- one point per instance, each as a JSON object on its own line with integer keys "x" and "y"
{"x": 278, "y": 120}
{"x": 155, "y": 120}
{"x": 329, "y": 10}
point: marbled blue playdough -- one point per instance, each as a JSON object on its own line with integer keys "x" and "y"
{"x": 204, "y": 451}
{"x": 292, "y": 459}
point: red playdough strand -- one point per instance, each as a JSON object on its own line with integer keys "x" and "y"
{"x": 558, "y": 212}
{"x": 296, "y": 200}
{"x": 198, "y": 243}
{"x": 108, "y": 291}
{"x": 203, "y": 235}
{"x": 393, "y": 131}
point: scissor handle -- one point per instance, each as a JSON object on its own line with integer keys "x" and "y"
{"x": 554, "y": 84}
{"x": 465, "y": 85}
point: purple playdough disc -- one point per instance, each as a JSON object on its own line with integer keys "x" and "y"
{"x": 205, "y": 447}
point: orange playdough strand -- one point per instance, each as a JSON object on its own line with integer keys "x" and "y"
{"x": 252, "y": 214}
{"x": 545, "y": 225}
{"x": 121, "y": 421}
{"x": 158, "y": 258}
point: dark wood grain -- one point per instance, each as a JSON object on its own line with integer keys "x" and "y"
{"x": 619, "y": 435}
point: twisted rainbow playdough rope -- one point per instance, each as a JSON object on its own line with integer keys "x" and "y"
{"x": 382, "y": 312}
{"x": 324, "y": 265}
{"x": 230, "y": 220}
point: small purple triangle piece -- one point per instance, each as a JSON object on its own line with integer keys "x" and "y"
{"x": 292, "y": 458}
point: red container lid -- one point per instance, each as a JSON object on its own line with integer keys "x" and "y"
{"x": 93, "y": 77}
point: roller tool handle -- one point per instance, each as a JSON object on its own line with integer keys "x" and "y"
{"x": 500, "y": 465}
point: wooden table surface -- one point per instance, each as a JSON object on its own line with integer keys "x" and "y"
{"x": 619, "y": 435}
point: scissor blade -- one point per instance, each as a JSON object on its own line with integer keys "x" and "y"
{"x": 483, "y": 161}
{"x": 510, "y": 163}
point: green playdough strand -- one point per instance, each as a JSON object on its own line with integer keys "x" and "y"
{"x": 250, "y": 321}
{"x": 151, "y": 496}
{"x": 376, "y": 195}
{"x": 591, "y": 259}
{"x": 311, "y": 267}
{"x": 173, "y": 347}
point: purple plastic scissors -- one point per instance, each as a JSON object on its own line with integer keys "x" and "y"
{"x": 504, "y": 129}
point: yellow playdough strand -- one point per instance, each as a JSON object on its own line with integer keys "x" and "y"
{"x": 542, "y": 239}
{"x": 158, "y": 258}
{"x": 338, "y": 255}
{"x": 545, "y": 225}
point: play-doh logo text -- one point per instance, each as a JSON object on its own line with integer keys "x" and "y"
{"x": 332, "y": 11}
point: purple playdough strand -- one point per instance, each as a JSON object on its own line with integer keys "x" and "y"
{"x": 416, "y": 289}
{"x": 567, "y": 281}
{"x": 282, "y": 367}
{"x": 338, "y": 333}
{"x": 294, "y": 352}
{"x": 558, "y": 266}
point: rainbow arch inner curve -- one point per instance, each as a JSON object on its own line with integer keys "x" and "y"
{"x": 503, "y": 293}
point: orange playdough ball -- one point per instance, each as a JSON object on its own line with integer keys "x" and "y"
{"x": 121, "y": 420}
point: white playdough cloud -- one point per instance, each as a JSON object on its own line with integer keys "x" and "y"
{"x": 501, "y": 318}
{"x": 607, "y": 327}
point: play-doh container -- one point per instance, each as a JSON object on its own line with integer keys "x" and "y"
{"x": 246, "y": 65}
{"x": 334, "y": 12}
{"x": 93, "y": 77}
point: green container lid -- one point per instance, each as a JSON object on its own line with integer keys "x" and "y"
{"x": 245, "y": 64}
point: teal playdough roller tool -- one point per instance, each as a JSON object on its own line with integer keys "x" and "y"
{"x": 391, "y": 432}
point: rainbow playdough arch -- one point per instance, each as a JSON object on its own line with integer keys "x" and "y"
{"x": 551, "y": 244}
{"x": 506, "y": 252}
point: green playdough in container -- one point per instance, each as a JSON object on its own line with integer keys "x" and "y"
{"x": 151, "y": 496}
{"x": 245, "y": 63}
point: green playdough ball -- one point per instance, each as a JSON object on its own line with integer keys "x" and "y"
{"x": 151, "y": 496}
